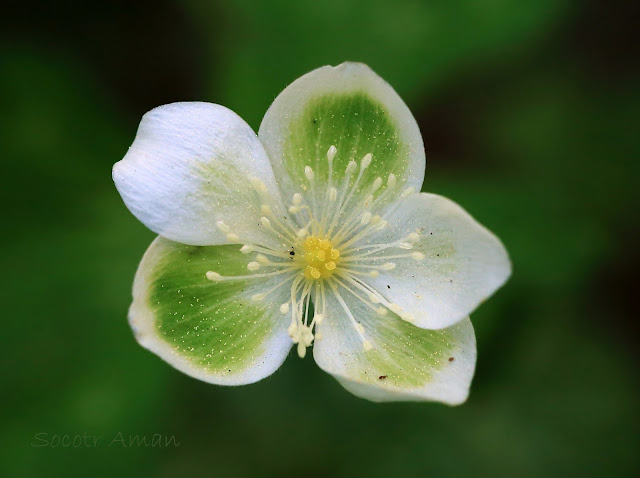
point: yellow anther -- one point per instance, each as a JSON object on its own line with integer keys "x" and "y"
{"x": 313, "y": 272}
{"x": 318, "y": 257}
{"x": 214, "y": 276}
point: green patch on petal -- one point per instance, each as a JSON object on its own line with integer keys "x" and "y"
{"x": 227, "y": 183}
{"x": 212, "y": 327}
{"x": 384, "y": 358}
{"x": 210, "y": 323}
{"x": 404, "y": 355}
{"x": 356, "y": 125}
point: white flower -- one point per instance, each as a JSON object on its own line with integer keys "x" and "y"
{"x": 312, "y": 232}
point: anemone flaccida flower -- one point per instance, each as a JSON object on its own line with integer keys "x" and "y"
{"x": 313, "y": 232}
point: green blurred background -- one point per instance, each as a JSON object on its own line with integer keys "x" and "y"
{"x": 529, "y": 110}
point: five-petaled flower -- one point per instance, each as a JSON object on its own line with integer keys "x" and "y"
{"x": 311, "y": 232}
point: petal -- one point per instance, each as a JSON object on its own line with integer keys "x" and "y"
{"x": 463, "y": 264}
{"x": 189, "y": 167}
{"x": 212, "y": 331}
{"x": 351, "y": 108}
{"x": 404, "y": 362}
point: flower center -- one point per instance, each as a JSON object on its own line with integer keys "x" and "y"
{"x": 319, "y": 257}
{"x": 327, "y": 248}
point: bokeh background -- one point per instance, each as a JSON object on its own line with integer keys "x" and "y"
{"x": 529, "y": 110}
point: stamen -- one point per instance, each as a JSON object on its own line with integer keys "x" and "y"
{"x": 366, "y": 161}
{"x": 368, "y": 304}
{"x": 351, "y": 167}
{"x": 223, "y": 227}
{"x": 354, "y": 322}
{"x": 367, "y": 289}
{"x": 262, "y": 259}
{"x": 331, "y": 153}
{"x": 364, "y": 257}
{"x": 282, "y": 230}
{"x": 331, "y": 191}
{"x": 258, "y": 185}
{"x": 368, "y": 201}
{"x": 248, "y": 248}
{"x": 308, "y": 172}
{"x": 376, "y": 247}
{"x": 215, "y": 277}
{"x": 253, "y": 266}
{"x": 407, "y": 192}
{"x": 265, "y": 209}
{"x": 283, "y": 234}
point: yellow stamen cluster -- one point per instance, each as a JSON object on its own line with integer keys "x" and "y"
{"x": 319, "y": 257}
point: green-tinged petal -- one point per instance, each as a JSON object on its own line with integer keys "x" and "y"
{"x": 351, "y": 108}
{"x": 213, "y": 331}
{"x": 389, "y": 359}
{"x": 459, "y": 262}
{"x": 193, "y": 165}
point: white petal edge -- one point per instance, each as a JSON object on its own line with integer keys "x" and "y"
{"x": 141, "y": 320}
{"x": 464, "y": 263}
{"x": 189, "y": 167}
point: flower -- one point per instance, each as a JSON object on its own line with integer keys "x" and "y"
{"x": 312, "y": 232}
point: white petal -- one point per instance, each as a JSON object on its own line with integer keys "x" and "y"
{"x": 213, "y": 331}
{"x": 401, "y": 361}
{"x": 189, "y": 167}
{"x": 463, "y": 262}
{"x": 348, "y": 107}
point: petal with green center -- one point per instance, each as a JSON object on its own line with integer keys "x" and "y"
{"x": 213, "y": 331}
{"x": 190, "y": 166}
{"x": 349, "y": 107}
{"x": 459, "y": 262}
{"x": 400, "y": 361}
